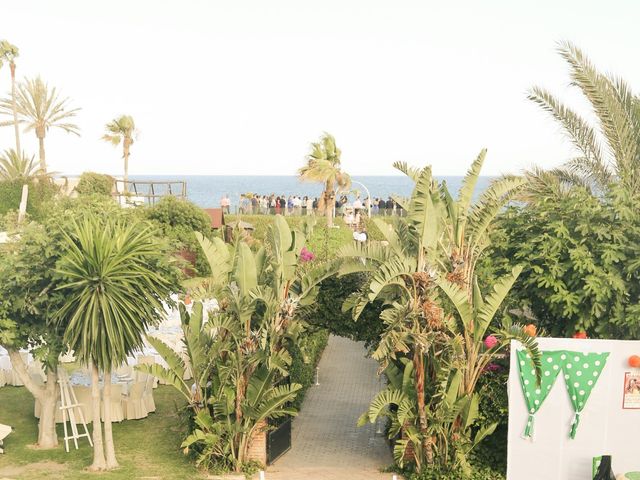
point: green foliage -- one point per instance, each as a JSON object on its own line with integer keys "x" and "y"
{"x": 41, "y": 193}
{"x": 17, "y": 167}
{"x": 115, "y": 279}
{"x": 305, "y": 355}
{"x": 178, "y": 220}
{"x": 327, "y": 311}
{"x": 95, "y": 184}
{"x": 436, "y": 316}
{"x": 444, "y": 473}
{"x": 242, "y": 357}
{"x": 579, "y": 257}
{"x": 608, "y": 150}
{"x": 494, "y": 408}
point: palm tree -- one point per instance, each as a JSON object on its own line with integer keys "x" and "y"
{"x": 608, "y": 150}
{"x": 17, "y": 167}
{"x": 323, "y": 166}
{"x": 122, "y": 129}
{"x": 114, "y": 292}
{"x": 8, "y": 53}
{"x": 41, "y": 109}
{"x": 434, "y": 250}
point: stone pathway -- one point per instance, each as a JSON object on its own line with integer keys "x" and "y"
{"x": 326, "y": 443}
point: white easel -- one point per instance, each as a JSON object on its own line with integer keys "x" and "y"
{"x": 70, "y": 407}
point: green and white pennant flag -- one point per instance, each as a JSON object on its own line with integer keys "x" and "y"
{"x": 534, "y": 394}
{"x": 581, "y": 373}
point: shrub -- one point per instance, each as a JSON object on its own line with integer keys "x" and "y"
{"x": 327, "y": 310}
{"x": 305, "y": 356}
{"x": 41, "y": 192}
{"x": 580, "y": 260}
{"x": 95, "y": 184}
{"x": 179, "y": 219}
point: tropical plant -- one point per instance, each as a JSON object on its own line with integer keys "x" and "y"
{"x": 323, "y": 166}
{"x": 17, "y": 167}
{"x": 122, "y": 130}
{"x": 41, "y": 108}
{"x": 241, "y": 357}
{"x": 8, "y": 53}
{"x": 435, "y": 249}
{"x": 609, "y": 150}
{"x": 115, "y": 281}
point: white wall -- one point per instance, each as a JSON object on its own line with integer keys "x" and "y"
{"x": 605, "y": 428}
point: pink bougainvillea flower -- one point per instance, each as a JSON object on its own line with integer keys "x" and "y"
{"x": 490, "y": 341}
{"x": 306, "y": 255}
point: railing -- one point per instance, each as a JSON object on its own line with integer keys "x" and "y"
{"x": 148, "y": 191}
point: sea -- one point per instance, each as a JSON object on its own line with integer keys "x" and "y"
{"x": 207, "y": 190}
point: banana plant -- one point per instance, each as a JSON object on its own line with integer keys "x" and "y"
{"x": 430, "y": 252}
{"x": 199, "y": 352}
{"x": 240, "y": 357}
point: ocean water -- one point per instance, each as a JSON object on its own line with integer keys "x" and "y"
{"x": 207, "y": 190}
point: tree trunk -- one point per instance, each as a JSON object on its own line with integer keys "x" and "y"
{"x": 14, "y": 106}
{"x": 47, "y": 396}
{"x": 47, "y": 435}
{"x": 43, "y": 162}
{"x": 110, "y": 450}
{"x": 125, "y": 154}
{"x": 418, "y": 365}
{"x": 238, "y": 410}
{"x": 99, "y": 462}
{"x": 330, "y": 205}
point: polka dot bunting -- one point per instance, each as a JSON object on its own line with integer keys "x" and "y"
{"x": 535, "y": 394}
{"x": 581, "y": 373}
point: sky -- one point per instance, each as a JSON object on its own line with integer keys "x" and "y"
{"x": 241, "y": 87}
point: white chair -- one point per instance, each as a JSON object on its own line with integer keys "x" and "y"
{"x": 141, "y": 377}
{"x": 149, "y": 402}
{"x": 117, "y": 412}
{"x": 148, "y": 360}
{"x": 124, "y": 371}
{"x": 83, "y": 396}
{"x": 134, "y": 405}
{"x": 5, "y": 430}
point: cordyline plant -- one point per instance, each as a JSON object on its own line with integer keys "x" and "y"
{"x": 438, "y": 353}
{"x": 240, "y": 356}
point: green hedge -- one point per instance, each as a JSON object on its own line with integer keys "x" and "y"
{"x": 40, "y": 194}
{"x": 305, "y": 357}
{"x": 95, "y": 184}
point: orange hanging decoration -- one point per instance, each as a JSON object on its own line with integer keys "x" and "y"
{"x": 531, "y": 330}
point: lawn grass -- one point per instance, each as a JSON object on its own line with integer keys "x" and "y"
{"x": 147, "y": 448}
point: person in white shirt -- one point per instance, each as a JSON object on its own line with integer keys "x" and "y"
{"x": 225, "y": 203}
{"x": 357, "y": 205}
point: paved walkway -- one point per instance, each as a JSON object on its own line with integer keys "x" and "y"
{"x": 326, "y": 443}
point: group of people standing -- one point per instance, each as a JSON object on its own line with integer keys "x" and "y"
{"x": 254, "y": 204}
